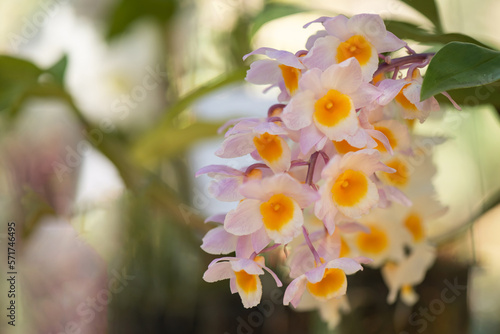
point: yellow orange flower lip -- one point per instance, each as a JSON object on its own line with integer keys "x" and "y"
{"x": 390, "y": 137}
{"x": 269, "y": 146}
{"x": 413, "y": 223}
{"x": 291, "y": 77}
{"x": 401, "y": 177}
{"x": 374, "y": 242}
{"x": 350, "y": 188}
{"x": 277, "y": 212}
{"x": 344, "y": 147}
{"x": 246, "y": 281}
{"x": 332, "y": 108}
{"x": 331, "y": 285}
{"x": 356, "y": 46}
{"x": 403, "y": 100}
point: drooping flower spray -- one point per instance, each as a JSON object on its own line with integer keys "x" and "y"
{"x": 339, "y": 179}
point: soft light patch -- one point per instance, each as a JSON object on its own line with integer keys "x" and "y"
{"x": 403, "y": 101}
{"x": 332, "y": 108}
{"x": 413, "y": 223}
{"x": 246, "y": 281}
{"x": 374, "y": 242}
{"x": 390, "y": 136}
{"x": 330, "y": 285}
{"x": 344, "y": 147}
{"x": 356, "y": 46}
{"x": 350, "y": 188}
{"x": 269, "y": 146}
{"x": 277, "y": 212}
{"x": 401, "y": 177}
{"x": 291, "y": 76}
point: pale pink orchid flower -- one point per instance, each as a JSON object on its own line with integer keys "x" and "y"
{"x": 325, "y": 106}
{"x": 326, "y": 281}
{"x": 243, "y": 275}
{"x": 283, "y": 70}
{"x": 272, "y": 209}
{"x": 349, "y": 191}
{"x": 262, "y": 139}
{"x": 362, "y": 37}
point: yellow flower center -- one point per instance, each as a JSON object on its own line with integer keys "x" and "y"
{"x": 401, "y": 176}
{"x": 374, "y": 242}
{"x": 356, "y": 46}
{"x": 379, "y": 77}
{"x": 332, "y": 108}
{"x": 277, "y": 212}
{"x": 246, "y": 281}
{"x": 333, "y": 280}
{"x": 390, "y": 136}
{"x": 291, "y": 76}
{"x": 350, "y": 188}
{"x": 344, "y": 147}
{"x": 269, "y": 146}
{"x": 413, "y": 223}
{"x": 255, "y": 174}
{"x": 344, "y": 248}
{"x": 406, "y": 289}
{"x": 403, "y": 100}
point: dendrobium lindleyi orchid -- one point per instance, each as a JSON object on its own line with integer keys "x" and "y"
{"x": 340, "y": 180}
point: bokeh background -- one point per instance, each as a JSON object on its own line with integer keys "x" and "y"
{"x": 114, "y": 108}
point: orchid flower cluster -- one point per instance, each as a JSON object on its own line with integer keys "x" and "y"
{"x": 339, "y": 178}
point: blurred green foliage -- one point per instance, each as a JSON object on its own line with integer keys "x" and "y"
{"x": 127, "y": 12}
{"x": 429, "y": 9}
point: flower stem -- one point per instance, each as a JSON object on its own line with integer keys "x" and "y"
{"x": 297, "y": 163}
{"x": 401, "y": 62}
{"x": 410, "y": 50}
{"x": 317, "y": 258}
{"x": 325, "y": 156}
{"x": 310, "y": 170}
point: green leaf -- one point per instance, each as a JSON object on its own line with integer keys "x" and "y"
{"x": 17, "y": 76}
{"x": 429, "y": 9}
{"x": 157, "y": 145}
{"x": 58, "y": 70}
{"x": 128, "y": 12}
{"x": 21, "y": 80}
{"x": 406, "y": 30}
{"x": 460, "y": 65}
{"x": 273, "y": 11}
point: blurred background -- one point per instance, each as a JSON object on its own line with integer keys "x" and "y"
{"x": 108, "y": 108}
